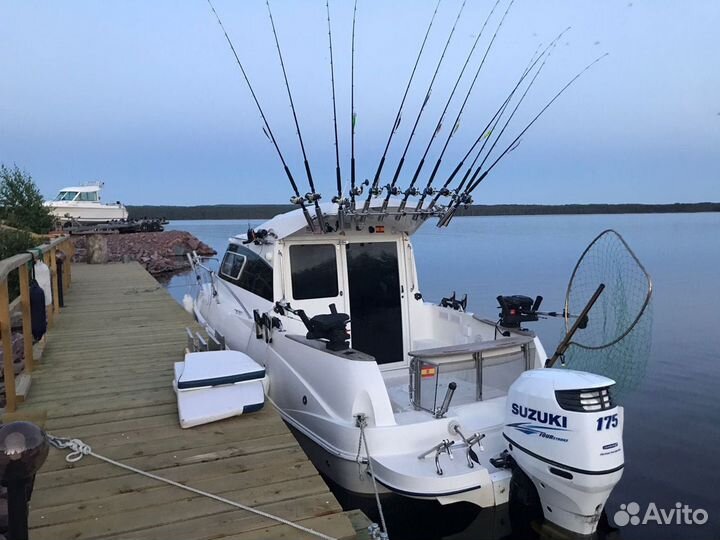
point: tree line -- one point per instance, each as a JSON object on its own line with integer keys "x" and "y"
{"x": 266, "y": 211}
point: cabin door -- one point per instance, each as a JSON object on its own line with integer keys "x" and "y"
{"x": 375, "y": 308}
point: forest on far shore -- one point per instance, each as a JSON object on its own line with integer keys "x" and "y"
{"x": 265, "y": 211}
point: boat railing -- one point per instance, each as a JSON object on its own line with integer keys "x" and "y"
{"x": 16, "y": 387}
{"x": 476, "y": 371}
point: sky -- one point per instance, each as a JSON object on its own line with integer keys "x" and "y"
{"x": 146, "y": 96}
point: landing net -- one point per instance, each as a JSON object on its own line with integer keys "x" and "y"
{"x": 616, "y": 340}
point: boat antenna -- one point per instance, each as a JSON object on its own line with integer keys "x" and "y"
{"x": 411, "y": 188}
{"x": 456, "y": 125}
{"x": 391, "y": 189}
{"x": 313, "y": 196}
{"x": 332, "y": 80}
{"x": 485, "y": 134}
{"x": 396, "y": 123}
{"x": 297, "y": 199}
{"x": 465, "y": 199}
{"x": 352, "y": 113}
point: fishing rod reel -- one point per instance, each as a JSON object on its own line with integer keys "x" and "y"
{"x": 392, "y": 190}
{"x": 411, "y": 192}
{"x": 312, "y": 197}
{"x": 360, "y": 188}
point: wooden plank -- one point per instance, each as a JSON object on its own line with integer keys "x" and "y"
{"x": 22, "y": 386}
{"x": 26, "y": 320}
{"x": 106, "y": 378}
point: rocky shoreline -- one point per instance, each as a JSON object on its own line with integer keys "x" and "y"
{"x": 159, "y": 252}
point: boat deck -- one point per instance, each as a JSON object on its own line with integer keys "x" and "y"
{"x": 105, "y": 377}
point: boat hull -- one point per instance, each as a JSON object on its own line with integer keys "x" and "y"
{"x": 88, "y": 212}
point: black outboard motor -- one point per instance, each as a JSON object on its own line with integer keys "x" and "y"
{"x": 330, "y": 327}
{"x": 518, "y": 309}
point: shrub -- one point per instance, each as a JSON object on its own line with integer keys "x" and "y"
{"x": 13, "y": 242}
{"x": 21, "y": 204}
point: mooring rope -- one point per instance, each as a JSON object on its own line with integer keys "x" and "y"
{"x": 362, "y": 423}
{"x": 79, "y": 449}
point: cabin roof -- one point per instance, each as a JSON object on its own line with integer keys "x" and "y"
{"x": 82, "y": 189}
{"x": 289, "y": 223}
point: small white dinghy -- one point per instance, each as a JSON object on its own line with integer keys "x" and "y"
{"x": 214, "y": 385}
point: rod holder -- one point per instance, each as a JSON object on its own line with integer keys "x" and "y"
{"x": 442, "y": 411}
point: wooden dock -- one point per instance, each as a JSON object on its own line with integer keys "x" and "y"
{"x": 105, "y": 377}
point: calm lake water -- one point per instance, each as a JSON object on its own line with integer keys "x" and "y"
{"x": 672, "y": 421}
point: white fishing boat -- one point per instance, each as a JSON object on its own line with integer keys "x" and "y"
{"x": 392, "y": 394}
{"x": 385, "y": 389}
{"x": 82, "y": 204}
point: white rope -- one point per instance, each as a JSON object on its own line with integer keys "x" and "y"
{"x": 79, "y": 449}
{"x": 362, "y": 422}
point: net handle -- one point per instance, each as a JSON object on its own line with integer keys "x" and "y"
{"x": 572, "y": 278}
{"x": 567, "y": 340}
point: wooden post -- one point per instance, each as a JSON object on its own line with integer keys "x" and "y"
{"x": 26, "y": 320}
{"x": 68, "y": 261}
{"x": 6, "y": 332}
{"x": 54, "y": 277}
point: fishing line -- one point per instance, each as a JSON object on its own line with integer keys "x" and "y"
{"x": 266, "y": 128}
{"x": 314, "y": 197}
{"x": 373, "y": 188}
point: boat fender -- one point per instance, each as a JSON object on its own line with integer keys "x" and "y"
{"x": 42, "y": 275}
{"x": 189, "y": 304}
{"x": 38, "y": 318}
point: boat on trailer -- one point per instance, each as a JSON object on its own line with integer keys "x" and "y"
{"x": 395, "y": 394}
{"x": 82, "y": 205}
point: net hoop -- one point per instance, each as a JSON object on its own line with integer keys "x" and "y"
{"x": 642, "y": 310}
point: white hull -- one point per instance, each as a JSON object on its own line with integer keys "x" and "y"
{"x": 339, "y": 399}
{"x": 87, "y": 212}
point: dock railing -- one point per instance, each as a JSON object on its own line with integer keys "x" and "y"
{"x": 21, "y": 264}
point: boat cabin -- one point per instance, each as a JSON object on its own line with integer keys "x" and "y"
{"x": 79, "y": 194}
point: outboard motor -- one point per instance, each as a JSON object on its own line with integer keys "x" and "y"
{"x": 565, "y": 433}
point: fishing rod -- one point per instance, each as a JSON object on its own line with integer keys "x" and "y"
{"x": 545, "y": 56}
{"x": 456, "y": 125}
{"x": 332, "y": 80}
{"x": 352, "y": 114}
{"x": 373, "y": 188}
{"x": 484, "y": 134}
{"x": 391, "y": 188}
{"x": 451, "y": 211}
{"x": 411, "y": 188}
{"x": 297, "y": 199}
{"x": 492, "y": 126}
{"x": 313, "y": 196}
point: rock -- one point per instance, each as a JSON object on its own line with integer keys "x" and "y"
{"x": 97, "y": 249}
{"x": 158, "y": 252}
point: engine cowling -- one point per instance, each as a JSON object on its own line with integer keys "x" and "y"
{"x": 565, "y": 432}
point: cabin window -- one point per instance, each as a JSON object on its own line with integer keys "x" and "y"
{"x": 314, "y": 271}
{"x": 232, "y": 265}
{"x": 88, "y": 196}
{"x": 245, "y": 268}
{"x": 66, "y": 196}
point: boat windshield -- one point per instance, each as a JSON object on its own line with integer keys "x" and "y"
{"x": 66, "y": 196}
